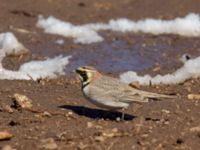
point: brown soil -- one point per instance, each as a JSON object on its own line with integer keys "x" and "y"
{"x": 61, "y": 117}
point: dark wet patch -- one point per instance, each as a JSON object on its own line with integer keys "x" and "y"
{"x": 23, "y": 13}
{"x": 120, "y": 52}
{"x": 13, "y": 123}
{"x": 179, "y": 141}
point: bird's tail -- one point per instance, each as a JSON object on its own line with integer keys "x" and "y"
{"x": 156, "y": 95}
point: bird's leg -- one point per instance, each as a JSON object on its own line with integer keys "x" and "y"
{"x": 122, "y": 117}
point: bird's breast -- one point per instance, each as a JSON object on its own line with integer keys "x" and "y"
{"x": 107, "y": 103}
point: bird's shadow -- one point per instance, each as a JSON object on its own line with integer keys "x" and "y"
{"x": 97, "y": 113}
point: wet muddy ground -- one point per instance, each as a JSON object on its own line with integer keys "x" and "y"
{"x": 61, "y": 117}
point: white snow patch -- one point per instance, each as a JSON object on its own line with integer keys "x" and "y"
{"x": 50, "y": 68}
{"x": 185, "y": 57}
{"x": 33, "y": 70}
{"x": 86, "y": 34}
{"x": 10, "y": 44}
{"x": 81, "y": 34}
{"x": 60, "y": 41}
{"x": 189, "y": 70}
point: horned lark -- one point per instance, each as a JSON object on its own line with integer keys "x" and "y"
{"x": 110, "y": 93}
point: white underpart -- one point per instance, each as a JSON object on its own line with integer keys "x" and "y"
{"x": 33, "y": 70}
{"x": 101, "y": 102}
{"x": 189, "y": 70}
{"x": 88, "y": 33}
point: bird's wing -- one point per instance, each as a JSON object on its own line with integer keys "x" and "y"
{"x": 116, "y": 95}
{"x": 129, "y": 96}
{"x": 118, "y": 91}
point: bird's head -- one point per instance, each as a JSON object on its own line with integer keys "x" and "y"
{"x": 87, "y": 74}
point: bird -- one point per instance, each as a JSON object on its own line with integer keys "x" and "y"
{"x": 111, "y": 93}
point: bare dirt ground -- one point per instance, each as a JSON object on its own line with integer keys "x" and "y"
{"x": 61, "y": 117}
